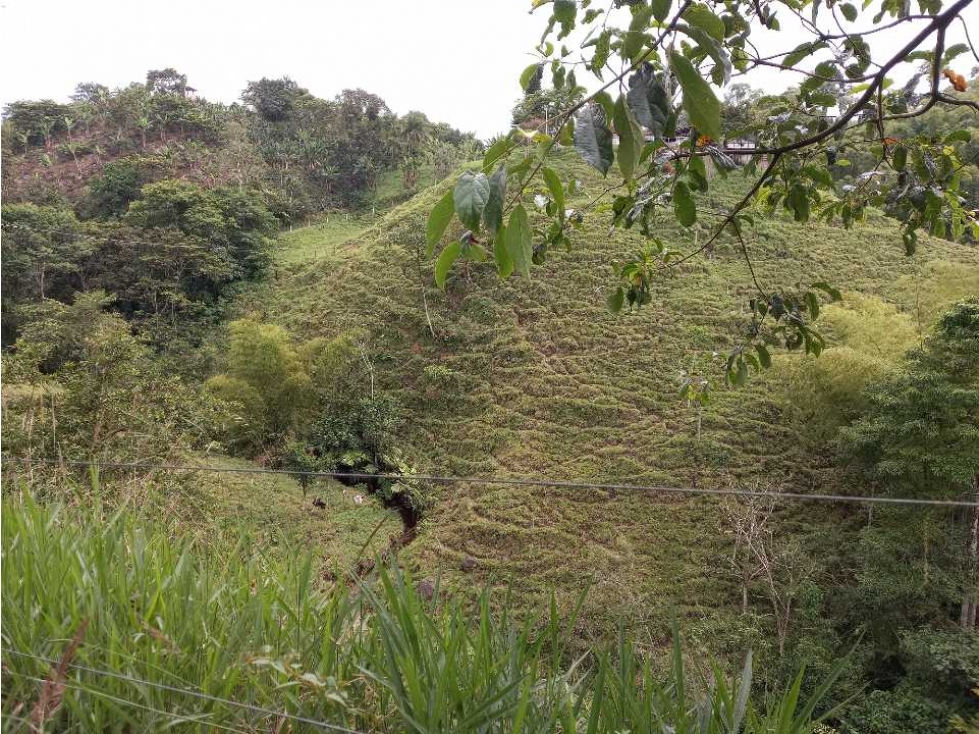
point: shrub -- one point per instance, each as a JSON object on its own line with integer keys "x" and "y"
{"x": 106, "y": 396}
{"x": 901, "y": 711}
{"x": 266, "y": 381}
{"x": 246, "y": 430}
{"x": 945, "y": 659}
{"x": 868, "y": 337}
{"x": 118, "y": 185}
{"x": 234, "y": 224}
{"x": 41, "y": 251}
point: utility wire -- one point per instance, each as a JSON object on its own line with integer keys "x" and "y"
{"x": 174, "y": 717}
{"x": 188, "y": 692}
{"x": 513, "y": 482}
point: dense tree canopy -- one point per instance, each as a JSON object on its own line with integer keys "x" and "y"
{"x": 311, "y": 153}
{"x": 162, "y": 199}
{"x": 176, "y": 246}
{"x": 335, "y": 150}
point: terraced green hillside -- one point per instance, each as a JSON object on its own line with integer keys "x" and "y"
{"x": 536, "y": 378}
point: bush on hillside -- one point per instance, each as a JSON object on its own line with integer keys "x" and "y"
{"x": 901, "y": 711}
{"x": 176, "y": 249}
{"x": 90, "y": 389}
{"x": 235, "y": 224}
{"x": 309, "y": 406}
{"x": 119, "y": 184}
{"x": 867, "y": 338}
{"x": 268, "y": 383}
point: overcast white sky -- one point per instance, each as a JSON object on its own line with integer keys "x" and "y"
{"x": 457, "y": 61}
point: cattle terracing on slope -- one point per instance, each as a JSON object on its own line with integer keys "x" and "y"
{"x": 535, "y": 378}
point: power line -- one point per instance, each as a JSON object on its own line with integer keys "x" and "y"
{"x": 188, "y": 692}
{"x": 513, "y": 482}
{"x": 174, "y": 717}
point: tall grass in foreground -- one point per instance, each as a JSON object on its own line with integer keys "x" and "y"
{"x": 374, "y": 657}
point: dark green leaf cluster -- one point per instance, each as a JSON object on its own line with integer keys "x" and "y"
{"x": 782, "y": 320}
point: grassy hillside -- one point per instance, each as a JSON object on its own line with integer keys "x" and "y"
{"x": 524, "y": 378}
{"x": 271, "y": 510}
{"x": 536, "y": 378}
{"x": 223, "y": 510}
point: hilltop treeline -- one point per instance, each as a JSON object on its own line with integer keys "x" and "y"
{"x": 306, "y": 153}
{"x": 163, "y": 199}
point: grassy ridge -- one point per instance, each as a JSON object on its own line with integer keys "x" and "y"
{"x": 536, "y": 378}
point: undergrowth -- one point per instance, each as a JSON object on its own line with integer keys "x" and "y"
{"x": 137, "y": 623}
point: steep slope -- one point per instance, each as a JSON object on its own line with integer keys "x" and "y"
{"x": 535, "y": 378}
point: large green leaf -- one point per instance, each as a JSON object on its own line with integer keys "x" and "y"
{"x": 635, "y": 38}
{"x": 684, "y": 204}
{"x": 493, "y": 213}
{"x": 803, "y": 50}
{"x": 764, "y": 356}
{"x": 605, "y": 101}
{"x": 438, "y": 220}
{"x": 564, "y": 13}
{"x": 702, "y": 17}
{"x": 699, "y": 101}
{"x": 722, "y": 160}
{"x": 531, "y": 76}
{"x": 518, "y": 240}
{"x": 954, "y": 50}
{"x": 593, "y": 139}
{"x": 498, "y": 150}
{"x": 449, "y": 255}
{"x": 797, "y": 201}
{"x": 557, "y": 190}
{"x": 630, "y": 138}
{"x": 603, "y": 47}
{"x": 615, "y": 300}
{"x": 470, "y": 196}
{"x": 900, "y": 158}
{"x": 504, "y": 263}
{"x": 649, "y": 101}
{"x": 721, "y": 73}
